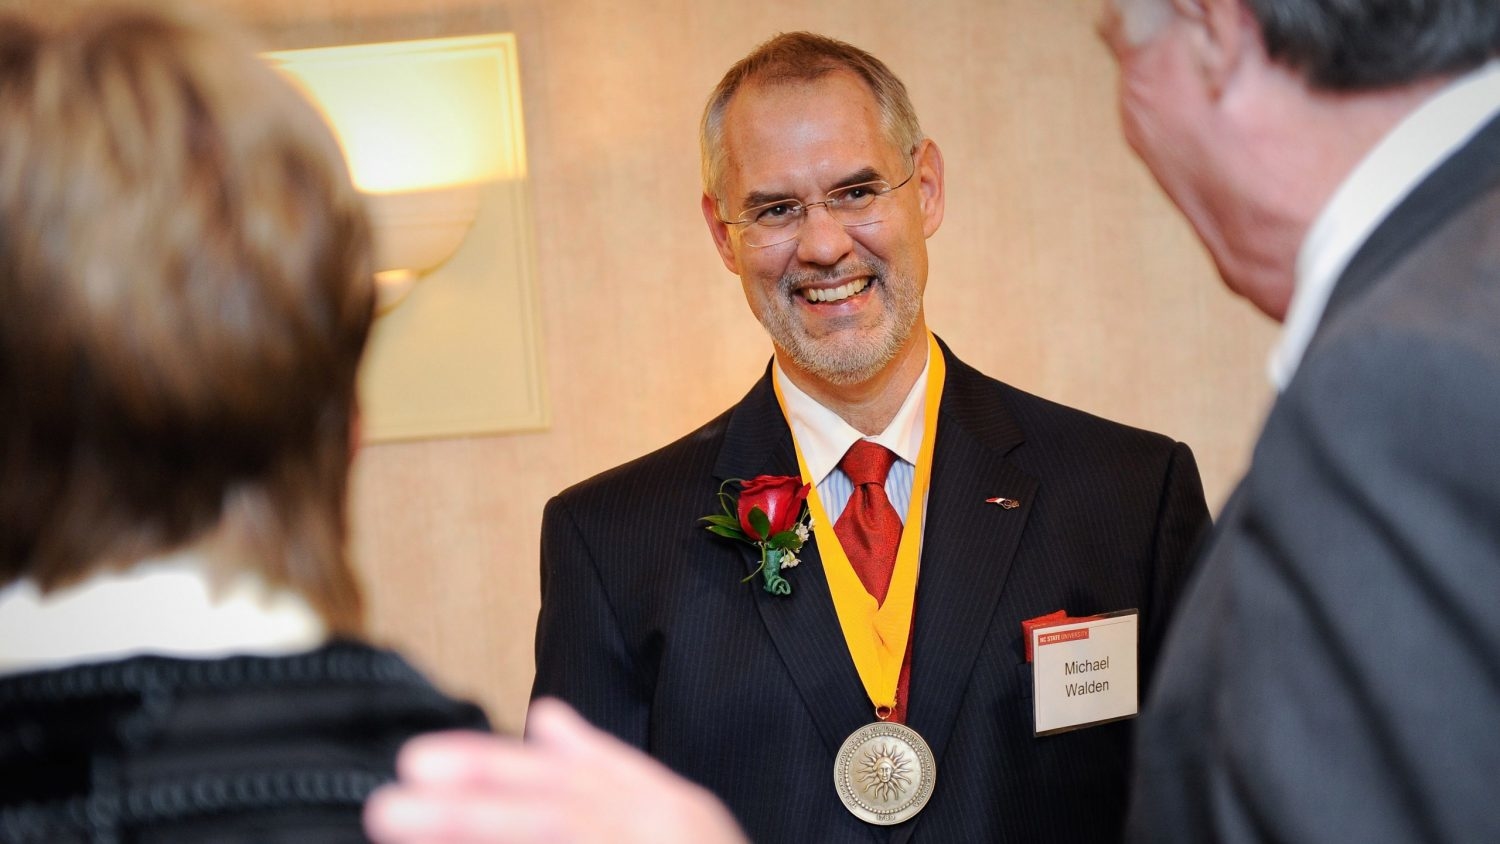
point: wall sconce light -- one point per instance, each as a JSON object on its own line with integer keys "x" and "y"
{"x": 433, "y": 135}
{"x": 421, "y": 128}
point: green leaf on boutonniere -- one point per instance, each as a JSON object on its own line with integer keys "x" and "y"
{"x": 760, "y": 521}
{"x": 728, "y": 533}
{"x": 725, "y": 522}
{"x": 786, "y": 540}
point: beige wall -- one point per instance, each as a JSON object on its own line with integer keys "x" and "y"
{"x": 1059, "y": 268}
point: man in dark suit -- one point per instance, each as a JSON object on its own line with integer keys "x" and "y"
{"x": 820, "y": 191}
{"x": 1335, "y": 672}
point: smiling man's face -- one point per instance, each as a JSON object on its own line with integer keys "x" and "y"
{"x": 839, "y": 303}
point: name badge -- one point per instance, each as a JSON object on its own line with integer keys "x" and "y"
{"x": 1084, "y": 672}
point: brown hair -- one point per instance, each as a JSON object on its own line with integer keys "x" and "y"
{"x": 184, "y": 297}
{"x": 803, "y": 57}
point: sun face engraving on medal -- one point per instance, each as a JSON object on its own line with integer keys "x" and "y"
{"x": 884, "y": 773}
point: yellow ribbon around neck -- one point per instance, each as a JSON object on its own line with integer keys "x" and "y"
{"x": 877, "y": 633}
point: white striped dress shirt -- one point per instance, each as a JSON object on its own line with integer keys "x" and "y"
{"x": 823, "y": 437}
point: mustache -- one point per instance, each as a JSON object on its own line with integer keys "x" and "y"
{"x": 796, "y": 279}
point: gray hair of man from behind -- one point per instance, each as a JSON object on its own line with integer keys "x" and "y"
{"x": 793, "y": 57}
{"x": 1355, "y": 45}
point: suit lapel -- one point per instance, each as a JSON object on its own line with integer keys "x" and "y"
{"x": 1472, "y": 171}
{"x": 968, "y": 546}
{"x": 803, "y": 625}
{"x": 967, "y": 549}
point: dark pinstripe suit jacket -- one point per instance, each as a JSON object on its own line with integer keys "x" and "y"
{"x": 1335, "y": 673}
{"x": 646, "y": 628}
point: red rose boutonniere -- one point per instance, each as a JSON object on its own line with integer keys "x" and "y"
{"x": 772, "y": 514}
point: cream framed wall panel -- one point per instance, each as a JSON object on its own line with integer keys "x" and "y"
{"x": 461, "y": 355}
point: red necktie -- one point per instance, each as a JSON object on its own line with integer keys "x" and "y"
{"x": 869, "y": 530}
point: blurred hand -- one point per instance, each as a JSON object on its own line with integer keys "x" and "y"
{"x": 568, "y": 782}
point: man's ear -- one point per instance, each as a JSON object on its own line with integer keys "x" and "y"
{"x": 720, "y": 233}
{"x": 929, "y": 178}
{"x": 1224, "y": 34}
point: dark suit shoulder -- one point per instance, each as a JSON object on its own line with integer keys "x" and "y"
{"x": 1445, "y": 287}
{"x": 690, "y": 456}
{"x": 1081, "y": 428}
{"x": 1055, "y": 430}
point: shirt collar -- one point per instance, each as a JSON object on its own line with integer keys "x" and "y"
{"x": 823, "y": 436}
{"x": 165, "y": 606}
{"x": 1396, "y": 165}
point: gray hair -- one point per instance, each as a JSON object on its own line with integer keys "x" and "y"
{"x": 1357, "y": 45}
{"x": 802, "y": 57}
{"x": 1352, "y": 45}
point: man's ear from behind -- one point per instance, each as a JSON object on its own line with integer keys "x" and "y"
{"x": 1224, "y": 37}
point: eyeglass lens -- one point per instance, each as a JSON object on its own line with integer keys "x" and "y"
{"x": 855, "y": 205}
{"x": 858, "y": 205}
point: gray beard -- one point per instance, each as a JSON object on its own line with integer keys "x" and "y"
{"x": 844, "y": 363}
